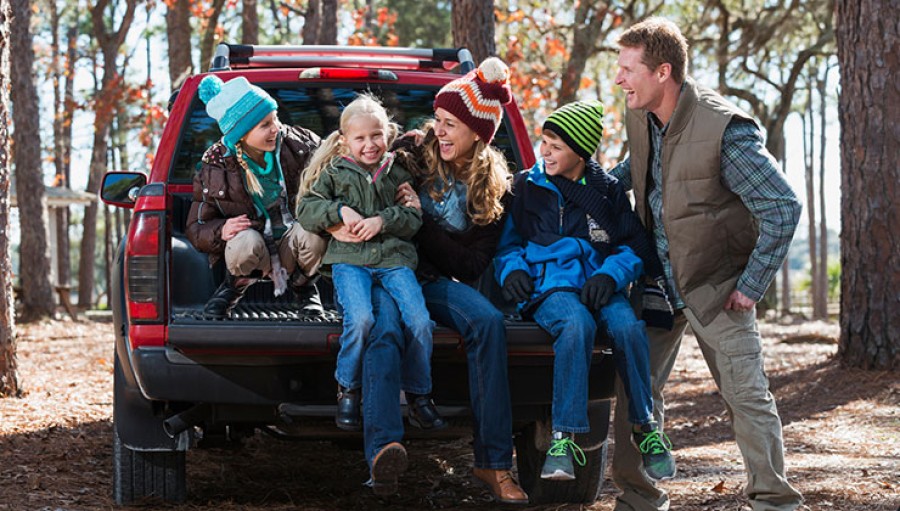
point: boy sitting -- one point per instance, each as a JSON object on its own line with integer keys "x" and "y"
{"x": 570, "y": 247}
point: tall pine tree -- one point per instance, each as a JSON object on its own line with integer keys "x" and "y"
{"x": 869, "y": 54}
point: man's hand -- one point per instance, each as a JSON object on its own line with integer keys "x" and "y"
{"x": 233, "y": 226}
{"x": 518, "y": 286}
{"x": 597, "y": 291}
{"x": 738, "y": 301}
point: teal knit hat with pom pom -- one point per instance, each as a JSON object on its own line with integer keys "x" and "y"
{"x": 236, "y": 105}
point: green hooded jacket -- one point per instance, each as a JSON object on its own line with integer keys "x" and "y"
{"x": 345, "y": 183}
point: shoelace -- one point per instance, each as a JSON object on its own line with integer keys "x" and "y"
{"x": 506, "y": 476}
{"x": 559, "y": 447}
{"x": 655, "y": 443}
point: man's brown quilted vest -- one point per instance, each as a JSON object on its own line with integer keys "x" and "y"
{"x": 711, "y": 233}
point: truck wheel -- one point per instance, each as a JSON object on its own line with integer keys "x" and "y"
{"x": 139, "y": 475}
{"x": 588, "y": 479}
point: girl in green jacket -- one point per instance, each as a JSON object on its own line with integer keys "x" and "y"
{"x": 353, "y": 179}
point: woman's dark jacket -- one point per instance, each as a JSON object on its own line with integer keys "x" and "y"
{"x": 463, "y": 256}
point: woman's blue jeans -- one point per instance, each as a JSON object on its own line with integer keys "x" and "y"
{"x": 574, "y": 329}
{"x": 465, "y": 310}
{"x": 353, "y": 286}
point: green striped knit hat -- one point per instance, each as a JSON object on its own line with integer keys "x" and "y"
{"x": 579, "y": 125}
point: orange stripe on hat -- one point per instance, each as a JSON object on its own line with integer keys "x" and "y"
{"x": 473, "y": 99}
{"x": 477, "y": 98}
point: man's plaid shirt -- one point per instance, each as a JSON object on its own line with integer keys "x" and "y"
{"x": 750, "y": 172}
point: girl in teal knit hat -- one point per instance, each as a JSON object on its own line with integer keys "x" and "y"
{"x": 244, "y": 195}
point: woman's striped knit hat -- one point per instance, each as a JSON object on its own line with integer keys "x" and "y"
{"x": 477, "y": 98}
{"x": 579, "y": 125}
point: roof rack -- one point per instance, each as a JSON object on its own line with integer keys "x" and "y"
{"x": 230, "y": 56}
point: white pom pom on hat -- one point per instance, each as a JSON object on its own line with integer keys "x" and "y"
{"x": 477, "y": 98}
{"x": 493, "y": 70}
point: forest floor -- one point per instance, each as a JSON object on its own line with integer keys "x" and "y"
{"x": 841, "y": 432}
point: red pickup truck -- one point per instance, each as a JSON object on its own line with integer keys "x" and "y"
{"x": 183, "y": 380}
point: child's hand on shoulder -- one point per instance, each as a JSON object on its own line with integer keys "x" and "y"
{"x": 350, "y": 217}
{"x": 368, "y": 228}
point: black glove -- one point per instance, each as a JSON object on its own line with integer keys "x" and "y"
{"x": 597, "y": 291}
{"x": 518, "y": 286}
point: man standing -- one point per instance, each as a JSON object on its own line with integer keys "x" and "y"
{"x": 722, "y": 216}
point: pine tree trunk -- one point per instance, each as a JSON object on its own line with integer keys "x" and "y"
{"x": 59, "y": 155}
{"x": 109, "y": 42}
{"x": 786, "y": 288}
{"x": 9, "y": 379}
{"x": 63, "y": 217}
{"x": 107, "y": 251}
{"x": 589, "y": 18}
{"x": 328, "y": 24}
{"x": 473, "y": 27}
{"x": 809, "y": 135}
{"x": 786, "y": 303}
{"x": 37, "y": 293}
{"x": 178, "y": 32}
{"x": 208, "y": 36}
{"x": 89, "y": 237}
{"x": 311, "y": 22}
{"x": 868, "y": 38}
{"x": 369, "y": 18}
{"x": 822, "y": 277}
{"x": 249, "y": 22}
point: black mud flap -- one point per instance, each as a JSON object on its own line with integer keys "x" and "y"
{"x": 135, "y": 422}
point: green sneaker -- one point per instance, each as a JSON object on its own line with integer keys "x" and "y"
{"x": 656, "y": 451}
{"x": 558, "y": 465}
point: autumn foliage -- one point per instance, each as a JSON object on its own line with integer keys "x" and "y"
{"x": 377, "y": 30}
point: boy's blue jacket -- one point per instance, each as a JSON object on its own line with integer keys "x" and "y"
{"x": 558, "y": 253}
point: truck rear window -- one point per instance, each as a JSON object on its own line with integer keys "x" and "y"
{"x": 317, "y": 108}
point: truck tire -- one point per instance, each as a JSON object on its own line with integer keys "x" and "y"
{"x": 139, "y": 476}
{"x": 589, "y": 478}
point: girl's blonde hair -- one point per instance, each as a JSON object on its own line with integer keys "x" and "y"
{"x": 486, "y": 176}
{"x": 333, "y": 145}
{"x": 249, "y": 177}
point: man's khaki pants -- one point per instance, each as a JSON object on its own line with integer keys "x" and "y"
{"x": 247, "y": 252}
{"x": 732, "y": 348}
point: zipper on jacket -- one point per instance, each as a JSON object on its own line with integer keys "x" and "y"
{"x": 562, "y": 210}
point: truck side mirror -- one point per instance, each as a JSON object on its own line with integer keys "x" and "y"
{"x": 121, "y": 188}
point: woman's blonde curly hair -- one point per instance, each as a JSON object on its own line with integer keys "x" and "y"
{"x": 486, "y": 177}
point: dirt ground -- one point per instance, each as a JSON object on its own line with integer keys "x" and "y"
{"x": 841, "y": 429}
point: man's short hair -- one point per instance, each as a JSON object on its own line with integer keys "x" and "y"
{"x": 662, "y": 42}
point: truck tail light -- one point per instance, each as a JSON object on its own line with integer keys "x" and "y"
{"x": 143, "y": 268}
{"x": 323, "y": 73}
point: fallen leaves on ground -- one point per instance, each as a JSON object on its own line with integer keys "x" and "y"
{"x": 841, "y": 432}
